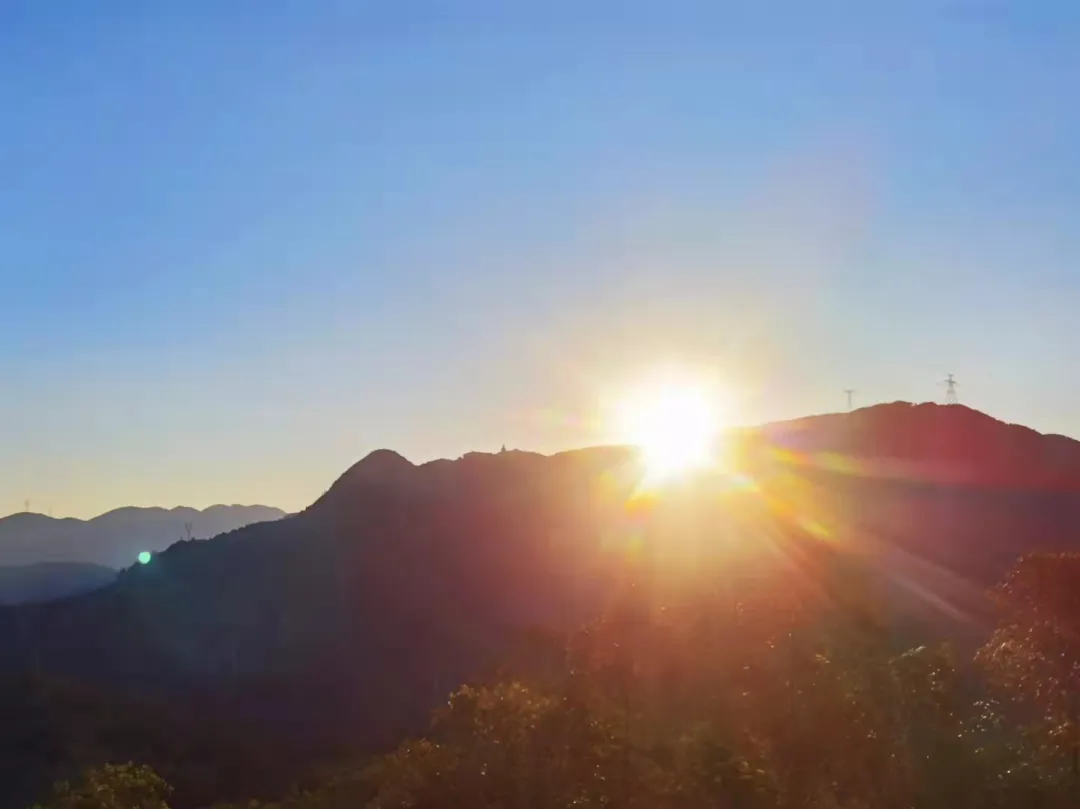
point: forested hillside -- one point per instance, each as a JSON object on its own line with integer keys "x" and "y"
{"x": 785, "y": 693}
{"x": 45, "y": 581}
{"x": 767, "y": 633}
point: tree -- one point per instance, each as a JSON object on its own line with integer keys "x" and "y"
{"x": 112, "y": 786}
{"x": 1034, "y": 656}
{"x": 508, "y": 746}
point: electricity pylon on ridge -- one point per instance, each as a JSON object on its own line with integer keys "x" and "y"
{"x": 950, "y": 390}
{"x": 850, "y": 397}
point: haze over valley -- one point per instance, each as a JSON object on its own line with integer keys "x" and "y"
{"x": 42, "y": 558}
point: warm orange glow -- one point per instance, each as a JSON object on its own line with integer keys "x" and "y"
{"x": 677, "y": 424}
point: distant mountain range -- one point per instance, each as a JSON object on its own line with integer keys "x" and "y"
{"x": 340, "y": 627}
{"x": 44, "y": 581}
{"x": 114, "y": 539}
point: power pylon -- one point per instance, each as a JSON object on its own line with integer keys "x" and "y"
{"x": 950, "y": 390}
{"x": 850, "y": 397}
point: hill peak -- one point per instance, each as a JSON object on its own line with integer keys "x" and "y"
{"x": 940, "y": 443}
{"x": 380, "y": 467}
{"x": 384, "y": 459}
{"x": 25, "y": 518}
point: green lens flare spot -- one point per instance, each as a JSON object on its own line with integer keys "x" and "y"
{"x": 144, "y": 557}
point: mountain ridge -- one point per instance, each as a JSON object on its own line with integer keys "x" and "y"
{"x": 949, "y": 443}
{"x": 45, "y": 581}
{"x": 115, "y": 537}
{"x": 341, "y": 626}
{"x": 144, "y": 509}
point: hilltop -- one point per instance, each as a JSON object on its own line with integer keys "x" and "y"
{"x": 941, "y": 444}
{"x": 340, "y": 627}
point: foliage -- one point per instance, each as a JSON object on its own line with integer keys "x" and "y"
{"x": 737, "y": 706}
{"x": 766, "y": 695}
{"x": 112, "y": 786}
{"x": 53, "y": 729}
{"x": 1034, "y": 659}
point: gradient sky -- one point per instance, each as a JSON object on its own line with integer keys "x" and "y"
{"x": 244, "y": 243}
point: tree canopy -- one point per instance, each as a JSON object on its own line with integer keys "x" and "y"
{"x": 761, "y": 698}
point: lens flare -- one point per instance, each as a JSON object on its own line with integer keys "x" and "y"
{"x": 676, "y": 423}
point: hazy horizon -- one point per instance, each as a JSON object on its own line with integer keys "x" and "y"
{"x": 245, "y": 244}
{"x": 42, "y": 511}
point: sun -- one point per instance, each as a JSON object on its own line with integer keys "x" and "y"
{"x": 676, "y": 423}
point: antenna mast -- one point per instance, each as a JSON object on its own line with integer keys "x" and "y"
{"x": 850, "y": 394}
{"x": 950, "y": 390}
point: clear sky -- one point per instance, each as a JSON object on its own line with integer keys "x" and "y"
{"x": 244, "y": 243}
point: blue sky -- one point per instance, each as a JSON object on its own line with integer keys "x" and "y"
{"x": 244, "y": 243}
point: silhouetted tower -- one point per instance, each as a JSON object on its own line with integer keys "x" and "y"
{"x": 850, "y": 396}
{"x": 950, "y": 390}
{"x": 26, "y": 505}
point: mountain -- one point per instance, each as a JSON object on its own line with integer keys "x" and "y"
{"x": 341, "y": 626}
{"x": 952, "y": 445}
{"x": 45, "y": 581}
{"x": 115, "y": 538}
{"x": 944, "y": 483}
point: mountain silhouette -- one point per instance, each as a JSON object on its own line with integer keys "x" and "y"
{"x": 44, "y": 581}
{"x": 949, "y": 485}
{"x": 343, "y": 625}
{"x": 950, "y": 444}
{"x": 115, "y": 538}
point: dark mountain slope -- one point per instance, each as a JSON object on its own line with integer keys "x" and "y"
{"x": 344, "y": 624}
{"x": 362, "y": 609}
{"x": 52, "y": 729}
{"x": 44, "y": 581}
{"x": 940, "y": 444}
{"x": 115, "y": 538}
{"x": 948, "y": 484}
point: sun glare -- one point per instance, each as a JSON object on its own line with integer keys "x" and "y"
{"x": 676, "y": 424}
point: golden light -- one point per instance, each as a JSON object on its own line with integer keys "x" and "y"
{"x": 676, "y": 422}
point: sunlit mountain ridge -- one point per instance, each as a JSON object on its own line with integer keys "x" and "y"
{"x": 341, "y": 626}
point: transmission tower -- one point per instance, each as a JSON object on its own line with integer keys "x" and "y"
{"x": 850, "y": 396}
{"x": 950, "y": 390}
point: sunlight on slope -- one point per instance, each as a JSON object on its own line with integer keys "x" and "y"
{"x": 709, "y": 497}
